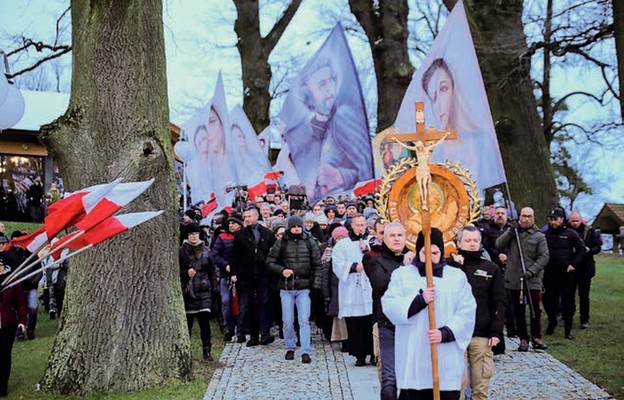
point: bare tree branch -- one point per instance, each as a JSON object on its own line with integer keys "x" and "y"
{"x": 63, "y": 50}
{"x": 271, "y": 39}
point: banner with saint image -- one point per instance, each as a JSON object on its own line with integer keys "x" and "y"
{"x": 323, "y": 125}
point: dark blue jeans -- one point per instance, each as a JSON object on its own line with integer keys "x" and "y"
{"x": 254, "y": 307}
{"x": 229, "y": 320}
{"x": 388, "y": 377}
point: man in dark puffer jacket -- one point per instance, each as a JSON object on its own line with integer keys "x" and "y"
{"x": 197, "y": 274}
{"x": 488, "y": 289}
{"x": 295, "y": 258}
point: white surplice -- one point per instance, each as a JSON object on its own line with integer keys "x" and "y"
{"x": 355, "y": 294}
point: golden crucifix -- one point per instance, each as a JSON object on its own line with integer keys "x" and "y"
{"x": 424, "y": 141}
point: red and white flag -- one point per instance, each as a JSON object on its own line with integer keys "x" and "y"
{"x": 104, "y": 230}
{"x": 364, "y": 188}
{"x": 210, "y": 205}
{"x": 64, "y": 214}
{"x": 259, "y": 189}
{"x": 118, "y": 197}
{"x": 273, "y": 175}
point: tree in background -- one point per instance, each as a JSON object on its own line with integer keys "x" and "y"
{"x": 123, "y": 327}
{"x": 254, "y": 52}
{"x": 385, "y": 25}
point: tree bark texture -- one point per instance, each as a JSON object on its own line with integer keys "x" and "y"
{"x": 254, "y": 51}
{"x": 123, "y": 325}
{"x": 385, "y": 25}
{"x": 618, "y": 25}
{"x": 501, "y": 46}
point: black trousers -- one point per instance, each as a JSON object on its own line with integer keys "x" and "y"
{"x": 7, "y": 338}
{"x": 427, "y": 394}
{"x": 360, "y": 330}
{"x": 584, "y": 286}
{"x": 203, "y": 319}
{"x": 560, "y": 289}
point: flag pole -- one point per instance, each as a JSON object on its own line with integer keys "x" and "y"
{"x": 47, "y": 266}
{"x": 21, "y": 269}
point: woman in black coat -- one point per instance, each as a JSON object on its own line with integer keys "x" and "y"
{"x": 12, "y": 319}
{"x": 197, "y": 274}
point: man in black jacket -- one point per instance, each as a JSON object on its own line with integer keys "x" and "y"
{"x": 296, "y": 261}
{"x": 587, "y": 270}
{"x": 379, "y": 270}
{"x": 249, "y": 272}
{"x": 488, "y": 289}
{"x": 567, "y": 251}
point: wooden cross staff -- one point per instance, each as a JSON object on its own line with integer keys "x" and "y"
{"x": 429, "y": 138}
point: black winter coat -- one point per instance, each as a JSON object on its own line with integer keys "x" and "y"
{"x": 222, "y": 252}
{"x": 248, "y": 257}
{"x": 488, "y": 289}
{"x": 379, "y": 269}
{"x": 490, "y": 232}
{"x": 565, "y": 247}
{"x": 301, "y": 254}
{"x": 593, "y": 242}
{"x": 198, "y": 290}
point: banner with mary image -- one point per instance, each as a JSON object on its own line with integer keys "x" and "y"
{"x": 323, "y": 125}
{"x": 210, "y": 168}
{"x": 449, "y": 82}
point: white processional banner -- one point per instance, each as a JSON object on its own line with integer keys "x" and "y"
{"x": 449, "y": 82}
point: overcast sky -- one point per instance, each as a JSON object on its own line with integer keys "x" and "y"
{"x": 200, "y": 41}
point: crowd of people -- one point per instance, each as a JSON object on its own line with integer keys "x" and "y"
{"x": 338, "y": 264}
{"x": 264, "y": 267}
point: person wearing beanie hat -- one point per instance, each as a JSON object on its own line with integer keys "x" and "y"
{"x": 221, "y": 254}
{"x": 488, "y": 288}
{"x": 236, "y": 218}
{"x": 370, "y": 212}
{"x": 354, "y": 290}
{"x": 197, "y": 274}
{"x": 295, "y": 261}
{"x": 405, "y": 304}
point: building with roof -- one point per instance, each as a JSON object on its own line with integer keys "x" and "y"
{"x": 610, "y": 220}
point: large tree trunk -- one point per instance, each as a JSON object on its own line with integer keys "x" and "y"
{"x": 123, "y": 326}
{"x": 618, "y": 25}
{"x": 385, "y": 25}
{"x": 254, "y": 51}
{"x": 499, "y": 39}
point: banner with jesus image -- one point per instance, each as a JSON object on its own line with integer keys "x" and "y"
{"x": 449, "y": 82}
{"x": 327, "y": 146}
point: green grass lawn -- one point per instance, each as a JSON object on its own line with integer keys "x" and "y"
{"x": 597, "y": 353}
{"x": 18, "y": 226}
{"x": 30, "y": 358}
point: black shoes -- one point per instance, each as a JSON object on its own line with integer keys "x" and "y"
{"x": 551, "y": 328}
{"x": 344, "y": 347}
{"x": 252, "y": 342}
{"x": 361, "y": 362}
{"x": 305, "y": 358}
{"x": 538, "y": 344}
{"x": 240, "y": 339}
{"x": 228, "y": 336}
{"x": 373, "y": 360}
{"x": 524, "y": 346}
{"x": 290, "y": 355}
{"x": 265, "y": 340}
{"x": 568, "y": 335}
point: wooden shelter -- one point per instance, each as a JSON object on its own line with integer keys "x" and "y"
{"x": 610, "y": 220}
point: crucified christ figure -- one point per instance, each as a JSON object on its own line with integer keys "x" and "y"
{"x": 423, "y": 176}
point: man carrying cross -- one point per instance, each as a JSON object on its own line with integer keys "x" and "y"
{"x": 404, "y": 304}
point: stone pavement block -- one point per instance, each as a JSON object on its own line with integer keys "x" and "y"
{"x": 262, "y": 373}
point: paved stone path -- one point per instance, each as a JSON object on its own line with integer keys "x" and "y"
{"x": 262, "y": 373}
